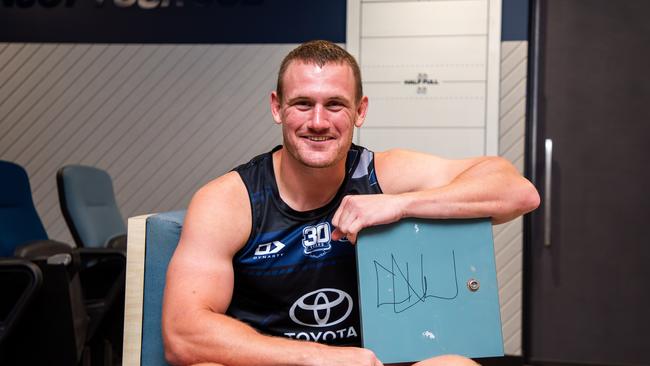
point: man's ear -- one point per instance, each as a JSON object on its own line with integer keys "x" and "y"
{"x": 276, "y": 105}
{"x": 362, "y": 109}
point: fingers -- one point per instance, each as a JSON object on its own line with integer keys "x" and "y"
{"x": 342, "y": 214}
{"x": 349, "y": 356}
{"x": 339, "y": 220}
{"x": 348, "y": 228}
{"x": 348, "y": 220}
{"x": 339, "y": 234}
{"x": 337, "y": 214}
{"x": 357, "y": 212}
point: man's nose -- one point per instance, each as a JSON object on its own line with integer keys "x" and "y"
{"x": 319, "y": 119}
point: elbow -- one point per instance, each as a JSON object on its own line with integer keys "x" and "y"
{"x": 522, "y": 201}
{"x": 185, "y": 341}
{"x": 175, "y": 353}
{"x": 174, "y": 357}
{"x": 530, "y": 199}
{"x": 519, "y": 195}
{"x": 176, "y": 347}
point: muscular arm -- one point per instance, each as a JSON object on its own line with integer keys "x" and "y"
{"x": 199, "y": 288}
{"x": 426, "y": 186}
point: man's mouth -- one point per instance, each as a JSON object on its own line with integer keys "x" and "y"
{"x": 318, "y": 138}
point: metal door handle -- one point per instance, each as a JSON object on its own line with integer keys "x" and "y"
{"x": 548, "y": 165}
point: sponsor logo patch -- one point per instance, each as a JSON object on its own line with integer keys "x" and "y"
{"x": 321, "y": 308}
{"x": 269, "y": 250}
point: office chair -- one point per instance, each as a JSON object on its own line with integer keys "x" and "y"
{"x": 54, "y": 326}
{"x": 88, "y": 205}
{"x": 152, "y": 241}
{"x": 71, "y": 277}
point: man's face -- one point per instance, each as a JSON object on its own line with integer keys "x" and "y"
{"x": 318, "y": 112}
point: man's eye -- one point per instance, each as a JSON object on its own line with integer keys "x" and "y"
{"x": 335, "y": 106}
{"x": 302, "y": 105}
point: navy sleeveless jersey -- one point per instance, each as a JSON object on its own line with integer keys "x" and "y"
{"x": 291, "y": 279}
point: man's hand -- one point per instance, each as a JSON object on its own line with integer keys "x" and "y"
{"x": 349, "y": 356}
{"x": 360, "y": 211}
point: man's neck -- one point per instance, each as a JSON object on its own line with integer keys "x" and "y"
{"x": 304, "y": 188}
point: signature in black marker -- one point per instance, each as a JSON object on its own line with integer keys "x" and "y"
{"x": 413, "y": 296}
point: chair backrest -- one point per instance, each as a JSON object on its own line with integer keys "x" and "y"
{"x": 152, "y": 240}
{"x": 19, "y": 222}
{"x": 88, "y": 205}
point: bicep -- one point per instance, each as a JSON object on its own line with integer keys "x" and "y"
{"x": 197, "y": 282}
{"x": 200, "y": 274}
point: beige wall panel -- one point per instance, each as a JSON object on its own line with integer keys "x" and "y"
{"x": 512, "y": 116}
{"x": 512, "y": 136}
{"x": 161, "y": 119}
{"x": 508, "y": 239}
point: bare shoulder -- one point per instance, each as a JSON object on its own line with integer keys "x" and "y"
{"x": 400, "y": 170}
{"x": 222, "y": 189}
{"x": 218, "y": 218}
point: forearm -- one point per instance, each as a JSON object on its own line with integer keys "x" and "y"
{"x": 491, "y": 188}
{"x": 206, "y": 336}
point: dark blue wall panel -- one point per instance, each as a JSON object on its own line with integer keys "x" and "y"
{"x": 172, "y": 21}
{"x": 195, "y": 21}
{"x": 514, "y": 20}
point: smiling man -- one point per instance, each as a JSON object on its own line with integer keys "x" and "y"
{"x": 264, "y": 273}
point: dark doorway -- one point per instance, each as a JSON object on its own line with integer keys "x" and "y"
{"x": 588, "y": 258}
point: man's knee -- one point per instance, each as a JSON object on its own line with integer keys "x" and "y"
{"x": 447, "y": 360}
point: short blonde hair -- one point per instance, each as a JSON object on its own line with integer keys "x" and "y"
{"x": 321, "y": 52}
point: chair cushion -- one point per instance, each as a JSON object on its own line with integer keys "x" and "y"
{"x": 163, "y": 233}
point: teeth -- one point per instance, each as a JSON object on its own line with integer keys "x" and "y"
{"x": 318, "y": 138}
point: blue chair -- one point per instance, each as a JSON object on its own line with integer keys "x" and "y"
{"x": 73, "y": 303}
{"x": 55, "y": 325}
{"x": 88, "y": 205}
{"x": 19, "y": 222}
{"x": 152, "y": 240}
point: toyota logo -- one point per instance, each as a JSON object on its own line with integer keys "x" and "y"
{"x": 316, "y": 308}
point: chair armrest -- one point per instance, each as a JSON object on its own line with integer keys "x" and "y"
{"x": 21, "y": 281}
{"x": 117, "y": 242}
{"x": 42, "y": 249}
{"x": 90, "y": 254}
